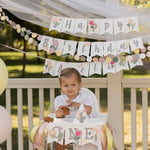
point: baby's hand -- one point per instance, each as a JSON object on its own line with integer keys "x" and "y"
{"x": 73, "y": 104}
{"x": 60, "y": 109}
{"x": 60, "y": 112}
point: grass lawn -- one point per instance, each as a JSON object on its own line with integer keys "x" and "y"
{"x": 34, "y": 69}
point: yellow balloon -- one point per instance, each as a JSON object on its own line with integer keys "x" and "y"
{"x": 3, "y": 76}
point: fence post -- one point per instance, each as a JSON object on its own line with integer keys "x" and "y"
{"x": 115, "y": 107}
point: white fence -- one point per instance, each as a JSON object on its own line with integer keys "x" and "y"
{"x": 114, "y": 85}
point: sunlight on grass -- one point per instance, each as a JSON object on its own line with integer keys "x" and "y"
{"x": 34, "y": 69}
{"x": 136, "y": 76}
{"x": 139, "y": 129}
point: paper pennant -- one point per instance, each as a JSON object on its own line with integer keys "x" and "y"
{"x": 68, "y": 25}
{"x": 120, "y": 65}
{"x": 130, "y": 24}
{"x": 95, "y": 68}
{"x": 81, "y": 115}
{"x": 119, "y": 25}
{"x": 56, "y": 24}
{"x": 122, "y": 46}
{"x": 80, "y": 26}
{"x": 106, "y": 26}
{"x": 45, "y": 43}
{"x": 73, "y": 134}
{"x": 55, "y": 133}
{"x": 107, "y": 67}
{"x": 83, "y": 68}
{"x": 93, "y": 26}
{"x": 97, "y": 48}
{"x": 83, "y": 48}
{"x": 57, "y": 44}
{"x": 90, "y": 135}
{"x": 136, "y": 61}
{"x": 109, "y": 48}
{"x": 70, "y": 47}
{"x": 49, "y": 67}
{"x": 136, "y": 43}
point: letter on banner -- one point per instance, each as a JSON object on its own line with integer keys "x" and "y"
{"x": 68, "y": 25}
{"x": 136, "y": 43}
{"x": 56, "y": 133}
{"x": 90, "y": 135}
{"x": 58, "y": 44}
{"x": 45, "y": 43}
{"x": 106, "y": 26}
{"x": 131, "y": 24}
{"x": 73, "y": 134}
{"x": 83, "y": 68}
{"x": 109, "y": 48}
{"x": 70, "y": 47}
{"x": 107, "y": 67}
{"x": 122, "y": 46}
{"x": 58, "y": 67}
{"x": 136, "y": 61}
{"x": 119, "y": 25}
{"x": 80, "y": 26}
{"x": 56, "y": 23}
{"x": 93, "y": 26}
{"x": 49, "y": 67}
{"x": 95, "y": 67}
{"x": 83, "y": 48}
{"x": 97, "y": 49}
{"x": 120, "y": 65}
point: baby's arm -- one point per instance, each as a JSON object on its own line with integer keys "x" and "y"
{"x": 60, "y": 112}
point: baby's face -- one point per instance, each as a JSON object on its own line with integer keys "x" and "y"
{"x": 70, "y": 86}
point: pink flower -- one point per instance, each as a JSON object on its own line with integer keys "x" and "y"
{"x": 39, "y": 38}
{"x": 148, "y": 48}
{"x": 148, "y": 54}
{"x": 55, "y": 42}
{"x": 78, "y": 133}
{"x": 101, "y": 59}
{"x": 51, "y": 50}
{"x": 112, "y": 62}
{"x": 143, "y": 50}
{"x": 91, "y": 23}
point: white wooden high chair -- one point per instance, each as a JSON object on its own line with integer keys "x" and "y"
{"x": 94, "y": 114}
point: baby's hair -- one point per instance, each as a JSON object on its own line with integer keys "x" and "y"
{"x": 68, "y": 72}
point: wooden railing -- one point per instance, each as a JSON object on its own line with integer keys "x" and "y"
{"x": 114, "y": 91}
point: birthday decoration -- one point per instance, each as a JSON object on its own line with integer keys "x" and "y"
{"x": 81, "y": 115}
{"x": 68, "y": 133}
{"x": 110, "y": 64}
{"x": 5, "y": 124}
{"x": 3, "y": 76}
{"x": 96, "y": 57}
{"x": 94, "y": 26}
{"x": 89, "y": 49}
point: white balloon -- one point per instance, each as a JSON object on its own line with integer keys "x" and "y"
{"x": 3, "y": 76}
{"x": 5, "y": 124}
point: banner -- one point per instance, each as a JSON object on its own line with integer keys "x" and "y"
{"x": 94, "y": 26}
{"x": 111, "y": 64}
{"x": 90, "y": 49}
